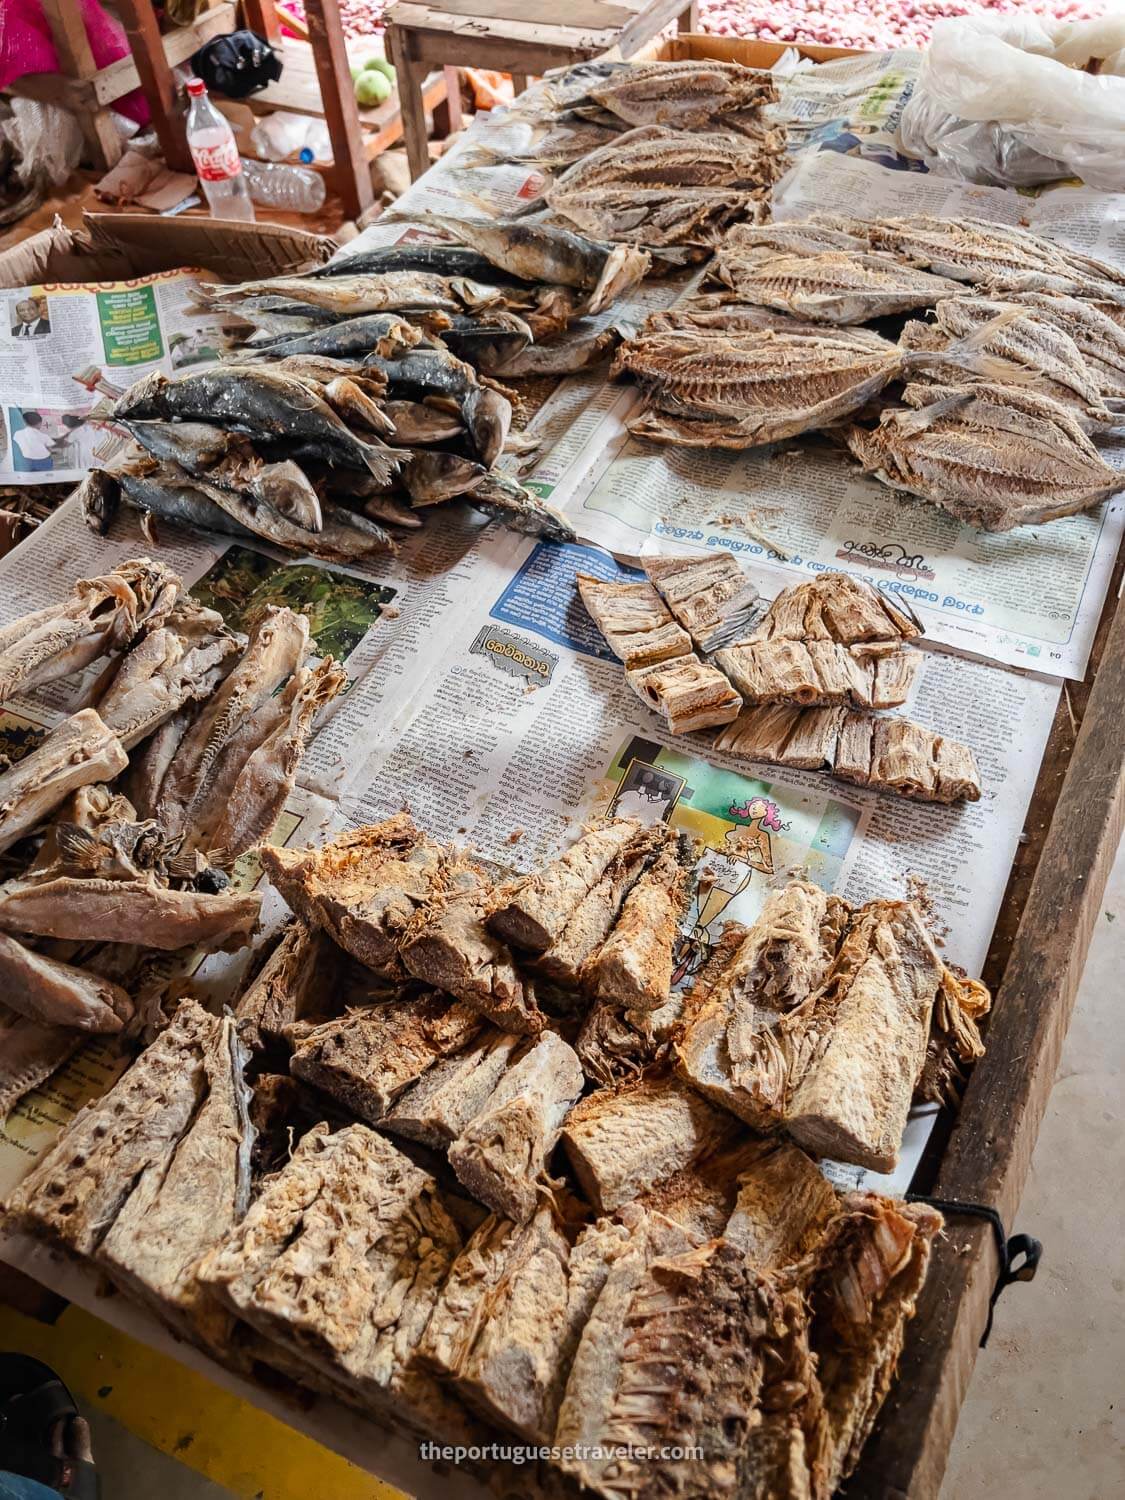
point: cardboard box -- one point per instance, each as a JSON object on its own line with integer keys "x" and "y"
{"x": 110, "y": 247}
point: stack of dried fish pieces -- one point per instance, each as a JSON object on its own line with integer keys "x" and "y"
{"x": 817, "y": 1020}
{"x": 735, "y": 386}
{"x": 994, "y": 456}
{"x": 834, "y": 640}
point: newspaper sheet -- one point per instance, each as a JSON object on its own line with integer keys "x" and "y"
{"x": 1029, "y": 597}
{"x": 67, "y": 351}
{"x": 523, "y": 724}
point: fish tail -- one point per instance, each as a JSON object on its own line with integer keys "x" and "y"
{"x": 382, "y": 462}
{"x": 908, "y": 423}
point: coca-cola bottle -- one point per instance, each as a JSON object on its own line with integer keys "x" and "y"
{"x": 211, "y": 143}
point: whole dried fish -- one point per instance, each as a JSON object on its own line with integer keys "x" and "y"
{"x": 446, "y": 261}
{"x": 429, "y": 477}
{"x": 101, "y": 615}
{"x": 260, "y": 402}
{"x": 384, "y": 334}
{"x": 687, "y": 95}
{"x": 832, "y": 287}
{"x": 577, "y": 349}
{"x": 79, "y": 751}
{"x": 416, "y": 424}
{"x": 519, "y": 508}
{"x": 426, "y": 374}
{"x": 993, "y": 456}
{"x": 346, "y": 296}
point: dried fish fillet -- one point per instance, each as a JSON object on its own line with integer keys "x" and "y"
{"x": 992, "y": 456}
{"x": 832, "y": 287}
{"x": 347, "y": 1211}
{"x": 366, "y": 1058}
{"x": 148, "y": 1178}
{"x": 711, "y": 597}
{"x": 686, "y": 95}
{"x": 887, "y": 754}
{"x": 688, "y": 693}
{"x": 438, "y": 1108}
{"x": 638, "y": 627}
{"x": 102, "y": 615}
{"x": 502, "y": 1152}
{"x": 52, "y": 993}
{"x": 633, "y": 967}
{"x": 141, "y": 911}
{"x": 79, "y": 751}
{"x": 621, "y": 1142}
{"x": 363, "y": 887}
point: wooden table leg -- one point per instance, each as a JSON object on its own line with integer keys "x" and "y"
{"x": 453, "y": 99}
{"x": 519, "y": 82}
{"x": 351, "y": 173}
{"x": 76, "y": 60}
{"x": 139, "y": 20}
{"x": 688, "y": 19}
{"x": 410, "y": 76}
{"x": 261, "y": 16}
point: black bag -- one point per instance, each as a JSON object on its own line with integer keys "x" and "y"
{"x": 237, "y": 65}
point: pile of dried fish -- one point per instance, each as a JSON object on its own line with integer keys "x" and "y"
{"x": 457, "y": 1224}
{"x": 119, "y": 829}
{"x": 803, "y": 689}
{"x": 664, "y": 155}
{"x": 998, "y": 394}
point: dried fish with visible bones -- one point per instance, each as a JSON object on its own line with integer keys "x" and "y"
{"x": 350, "y": 1210}
{"x": 440, "y": 1105}
{"x": 888, "y": 754}
{"x": 146, "y": 1179}
{"x": 638, "y": 626}
{"x": 993, "y": 456}
{"x": 369, "y": 1056}
{"x": 655, "y": 156}
{"x": 616, "y": 1045}
{"x": 835, "y": 639}
{"x": 633, "y": 967}
{"x": 686, "y": 95}
{"x": 1098, "y": 337}
{"x": 79, "y": 751}
{"x": 711, "y": 597}
{"x": 102, "y": 615}
{"x": 671, "y": 223}
{"x": 362, "y": 888}
{"x": 832, "y": 287}
{"x": 501, "y": 1153}
{"x": 689, "y": 694}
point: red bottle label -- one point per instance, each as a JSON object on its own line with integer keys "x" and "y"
{"x": 216, "y": 163}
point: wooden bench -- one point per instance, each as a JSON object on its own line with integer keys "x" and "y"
{"x": 522, "y": 37}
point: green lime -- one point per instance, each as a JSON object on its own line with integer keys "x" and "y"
{"x": 372, "y": 87}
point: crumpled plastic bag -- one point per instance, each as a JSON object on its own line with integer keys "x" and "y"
{"x": 46, "y": 138}
{"x": 1013, "y": 101}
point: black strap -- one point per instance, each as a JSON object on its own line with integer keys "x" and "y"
{"x": 1019, "y": 1254}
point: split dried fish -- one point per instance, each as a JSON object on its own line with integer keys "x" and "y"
{"x": 653, "y": 156}
{"x": 686, "y": 95}
{"x": 661, "y": 220}
{"x": 101, "y": 615}
{"x": 79, "y": 751}
{"x": 993, "y": 456}
{"x": 1100, "y": 340}
{"x": 833, "y": 287}
{"x": 52, "y": 993}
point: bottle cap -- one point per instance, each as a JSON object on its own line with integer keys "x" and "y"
{"x": 305, "y": 154}
{"x": 196, "y": 87}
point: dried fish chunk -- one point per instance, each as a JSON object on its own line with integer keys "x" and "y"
{"x": 838, "y": 607}
{"x": 52, "y": 993}
{"x": 621, "y": 1142}
{"x": 633, "y": 967}
{"x": 992, "y": 456}
{"x": 502, "y": 1152}
{"x": 689, "y": 694}
{"x": 29, "y": 1053}
{"x": 102, "y": 615}
{"x": 145, "y": 1180}
{"x": 369, "y": 1056}
{"x": 684, "y": 94}
{"x": 709, "y": 596}
{"x": 362, "y": 888}
{"x": 638, "y": 628}
{"x": 438, "y": 1108}
{"x": 347, "y": 1210}
{"x": 832, "y": 287}
{"x": 76, "y": 753}
{"x": 300, "y": 981}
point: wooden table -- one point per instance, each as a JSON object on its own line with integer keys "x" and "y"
{"x": 521, "y": 37}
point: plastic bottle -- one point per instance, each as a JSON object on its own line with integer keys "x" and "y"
{"x": 274, "y": 185}
{"x": 213, "y": 150}
{"x": 279, "y": 136}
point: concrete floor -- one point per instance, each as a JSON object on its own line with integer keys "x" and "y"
{"x": 1045, "y": 1415}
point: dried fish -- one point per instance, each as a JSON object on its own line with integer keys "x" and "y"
{"x": 446, "y": 261}
{"x": 346, "y": 296}
{"x": 416, "y": 424}
{"x": 1100, "y": 340}
{"x": 29, "y": 1054}
{"x": 438, "y": 1108}
{"x": 577, "y": 349}
{"x": 79, "y": 751}
{"x": 384, "y": 334}
{"x": 655, "y": 156}
{"x": 52, "y": 993}
{"x": 423, "y": 374}
{"x": 637, "y": 624}
{"x": 832, "y": 287}
{"x": 520, "y": 509}
{"x": 632, "y": 969}
{"x": 993, "y": 456}
{"x": 661, "y": 220}
{"x": 688, "y": 693}
{"x": 711, "y": 597}
{"x": 102, "y": 615}
{"x": 430, "y": 477}
{"x": 687, "y": 95}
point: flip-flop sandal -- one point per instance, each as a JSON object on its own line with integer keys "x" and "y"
{"x": 33, "y": 1402}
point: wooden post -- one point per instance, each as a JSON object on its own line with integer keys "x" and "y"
{"x": 410, "y": 76}
{"x": 453, "y": 99}
{"x": 139, "y": 20}
{"x": 519, "y": 83}
{"x": 76, "y": 60}
{"x": 688, "y": 19}
{"x": 351, "y": 173}
{"x": 261, "y": 16}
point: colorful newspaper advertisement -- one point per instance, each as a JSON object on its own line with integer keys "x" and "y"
{"x": 68, "y": 351}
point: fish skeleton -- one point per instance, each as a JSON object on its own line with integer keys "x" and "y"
{"x": 653, "y": 156}
{"x": 832, "y": 287}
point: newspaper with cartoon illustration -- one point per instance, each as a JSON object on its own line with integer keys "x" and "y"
{"x": 68, "y": 351}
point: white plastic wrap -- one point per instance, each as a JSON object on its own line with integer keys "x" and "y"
{"x": 1013, "y": 101}
{"x": 46, "y": 138}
